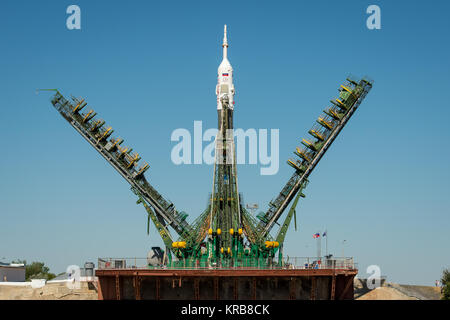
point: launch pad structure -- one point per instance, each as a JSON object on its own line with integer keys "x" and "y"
{"x": 226, "y": 252}
{"x": 226, "y": 284}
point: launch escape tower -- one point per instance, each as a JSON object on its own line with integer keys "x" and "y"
{"x": 225, "y": 234}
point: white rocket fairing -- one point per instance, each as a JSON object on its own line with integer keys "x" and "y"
{"x": 225, "y": 87}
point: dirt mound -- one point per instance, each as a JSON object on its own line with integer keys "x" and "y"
{"x": 385, "y": 293}
{"x": 419, "y": 292}
{"x": 51, "y": 291}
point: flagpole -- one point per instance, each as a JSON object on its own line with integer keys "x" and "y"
{"x": 320, "y": 247}
{"x": 326, "y": 243}
{"x": 317, "y": 246}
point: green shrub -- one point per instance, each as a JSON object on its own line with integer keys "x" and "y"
{"x": 445, "y": 280}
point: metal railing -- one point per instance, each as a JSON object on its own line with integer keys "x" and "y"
{"x": 237, "y": 263}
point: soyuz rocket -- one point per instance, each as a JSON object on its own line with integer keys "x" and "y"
{"x": 225, "y": 200}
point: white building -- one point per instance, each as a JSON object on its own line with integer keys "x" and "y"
{"x": 12, "y": 272}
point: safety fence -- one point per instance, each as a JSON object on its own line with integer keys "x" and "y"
{"x": 237, "y": 263}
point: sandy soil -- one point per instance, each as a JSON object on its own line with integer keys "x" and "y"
{"x": 385, "y": 293}
{"x": 52, "y": 291}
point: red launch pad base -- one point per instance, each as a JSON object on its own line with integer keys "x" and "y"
{"x": 225, "y": 284}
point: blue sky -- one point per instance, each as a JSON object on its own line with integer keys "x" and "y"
{"x": 149, "y": 67}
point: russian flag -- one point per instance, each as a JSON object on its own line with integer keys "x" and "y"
{"x": 316, "y": 235}
{"x": 225, "y": 74}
